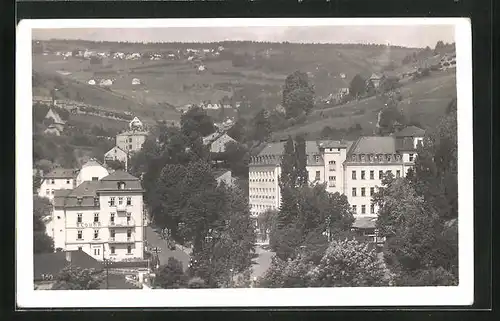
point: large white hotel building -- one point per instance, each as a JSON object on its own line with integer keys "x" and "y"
{"x": 99, "y": 213}
{"x": 351, "y": 168}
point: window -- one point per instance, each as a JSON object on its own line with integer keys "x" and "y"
{"x": 363, "y": 209}
{"x": 129, "y": 233}
{"x": 112, "y": 217}
{"x": 316, "y": 158}
{"x": 353, "y": 158}
{"x": 362, "y": 157}
{"x": 380, "y": 174}
{"x": 389, "y": 158}
{"x": 130, "y": 140}
{"x": 372, "y": 191}
{"x": 95, "y": 178}
{"x": 372, "y": 209}
{"x": 47, "y": 191}
{"x": 363, "y": 191}
{"x": 97, "y": 251}
{"x": 121, "y": 185}
{"x": 129, "y": 249}
{"x": 362, "y": 174}
{"x": 79, "y": 217}
{"x": 129, "y": 146}
{"x": 128, "y": 218}
{"x": 52, "y": 181}
{"x": 354, "y": 209}
{"x": 372, "y": 174}
{"x": 129, "y": 200}
{"x": 389, "y": 172}
{"x": 354, "y": 191}
{"x": 68, "y": 181}
{"x": 318, "y": 174}
{"x": 332, "y": 165}
{"x": 52, "y": 192}
{"x": 112, "y": 249}
{"x": 353, "y": 174}
{"x": 332, "y": 180}
{"x": 120, "y": 200}
{"x": 96, "y": 217}
{"x": 79, "y": 248}
{"x": 411, "y": 157}
{"x": 96, "y": 234}
{"x": 398, "y": 174}
{"x": 111, "y": 201}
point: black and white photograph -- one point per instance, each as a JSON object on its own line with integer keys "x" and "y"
{"x": 244, "y": 162}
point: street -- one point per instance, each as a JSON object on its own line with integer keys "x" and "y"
{"x": 154, "y": 240}
{"x": 262, "y": 262}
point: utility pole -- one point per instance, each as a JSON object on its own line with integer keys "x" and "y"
{"x": 107, "y": 263}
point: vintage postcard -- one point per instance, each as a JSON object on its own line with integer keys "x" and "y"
{"x": 244, "y": 162}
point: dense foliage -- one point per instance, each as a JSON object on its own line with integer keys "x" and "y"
{"x": 76, "y": 278}
{"x": 171, "y": 275}
{"x": 298, "y": 95}
{"x": 42, "y": 243}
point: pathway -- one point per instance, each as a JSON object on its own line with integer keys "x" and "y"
{"x": 154, "y": 240}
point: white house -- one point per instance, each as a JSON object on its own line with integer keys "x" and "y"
{"x": 105, "y": 82}
{"x": 116, "y": 154}
{"x": 102, "y": 218}
{"x": 217, "y": 142}
{"x": 136, "y": 81}
{"x": 91, "y": 171}
{"x": 58, "y": 122}
{"x": 57, "y": 179}
{"x": 201, "y": 68}
{"x": 135, "y": 123}
{"x": 91, "y": 82}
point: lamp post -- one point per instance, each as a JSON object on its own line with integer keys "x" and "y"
{"x": 107, "y": 263}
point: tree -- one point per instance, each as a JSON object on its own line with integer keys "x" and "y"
{"x": 76, "y": 278}
{"x": 298, "y": 95}
{"x": 357, "y": 87}
{"x": 42, "y": 243}
{"x": 171, "y": 275}
{"x": 196, "y": 120}
{"x": 237, "y": 157}
{"x": 261, "y": 127}
{"x": 345, "y": 263}
{"x": 116, "y": 165}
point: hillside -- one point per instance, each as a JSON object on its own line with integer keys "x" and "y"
{"x": 242, "y": 70}
{"x": 424, "y": 101}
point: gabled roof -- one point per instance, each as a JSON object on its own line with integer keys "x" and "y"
{"x": 55, "y": 116}
{"x": 411, "y": 131}
{"x": 119, "y": 176}
{"x": 86, "y": 188}
{"x": 60, "y": 173}
{"x": 376, "y": 76}
{"x": 91, "y": 162}
{"x": 373, "y": 145}
{"x": 117, "y": 148}
{"x": 53, "y": 263}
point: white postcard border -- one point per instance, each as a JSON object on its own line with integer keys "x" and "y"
{"x": 27, "y": 297}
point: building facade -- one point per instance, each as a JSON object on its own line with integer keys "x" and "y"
{"x": 116, "y": 154}
{"x": 103, "y": 218}
{"x": 91, "y": 171}
{"x": 131, "y": 141}
{"x": 57, "y": 179}
{"x": 217, "y": 142}
{"x": 355, "y": 169}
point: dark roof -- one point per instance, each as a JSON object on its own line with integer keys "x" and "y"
{"x": 275, "y": 150}
{"x": 373, "y": 145}
{"x": 411, "y": 131}
{"x": 120, "y": 176}
{"x": 86, "y": 188}
{"x": 53, "y": 263}
{"x": 333, "y": 144}
{"x": 365, "y": 222}
{"x": 61, "y": 173}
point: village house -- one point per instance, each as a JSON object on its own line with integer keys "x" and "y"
{"x": 116, "y": 154}
{"x": 224, "y": 175}
{"x": 103, "y": 218}
{"x": 131, "y": 141}
{"x": 57, "y": 179}
{"x": 92, "y": 170}
{"x": 376, "y": 79}
{"x": 217, "y": 141}
{"x": 58, "y": 122}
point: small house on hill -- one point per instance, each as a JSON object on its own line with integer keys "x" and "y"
{"x": 116, "y": 154}
{"x": 136, "y": 81}
{"x": 58, "y": 122}
{"x": 376, "y": 79}
{"x": 217, "y": 142}
{"x": 91, "y": 82}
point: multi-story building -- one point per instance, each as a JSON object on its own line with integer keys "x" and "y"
{"x": 57, "y": 179}
{"x": 103, "y": 218}
{"x": 131, "y": 141}
{"x": 355, "y": 169}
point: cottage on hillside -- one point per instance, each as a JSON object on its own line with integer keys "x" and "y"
{"x": 58, "y": 122}
{"x": 376, "y": 79}
{"x": 116, "y": 154}
{"x": 217, "y": 142}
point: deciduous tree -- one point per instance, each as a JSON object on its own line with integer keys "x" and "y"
{"x": 298, "y": 95}
{"x": 76, "y": 278}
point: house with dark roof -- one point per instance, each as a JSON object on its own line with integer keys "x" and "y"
{"x": 47, "y": 266}
{"x": 103, "y": 218}
{"x": 355, "y": 169}
{"x": 57, "y": 179}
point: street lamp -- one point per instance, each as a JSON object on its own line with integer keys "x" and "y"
{"x": 107, "y": 263}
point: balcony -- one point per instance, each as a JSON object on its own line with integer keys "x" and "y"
{"x": 122, "y": 223}
{"x": 122, "y": 239}
{"x": 121, "y": 207}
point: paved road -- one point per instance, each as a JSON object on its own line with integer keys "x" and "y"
{"x": 154, "y": 240}
{"x": 262, "y": 262}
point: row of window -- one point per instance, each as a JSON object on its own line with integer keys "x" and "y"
{"x": 363, "y": 209}
{"x": 112, "y": 201}
{"x": 263, "y": 196}
{"x": 112, "y": 249}
{"x": 332, "y": 181}
{"x": 363, "y": 191}
{"x": 378, "y": 157}
{"x": 263, "y": 207}
{"x": 52, "y": 181}
{"x": 372, "y": 174}
{"x": 261, "y": 180}
{"x": 112, "y": 233}
{"x": 332, "y": 166}
{"x": 262, "y": 190}
{"x": 260, "y": 174}
{"x": 79, "y": 217}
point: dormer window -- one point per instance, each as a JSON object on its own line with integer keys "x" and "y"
{"x": 96, "y": 201}
{"x": 316, "y": 158}
{"x": 362, "y": 158}
{"x": 353, "y": 158}
{"x": 389, "y": 157}
{"x": 121, "y": 185}
{"x": 79, "y": 200}
{"x": 398, "y": 157}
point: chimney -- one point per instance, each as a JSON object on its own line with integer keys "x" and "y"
{"x": 68, "y": 256}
